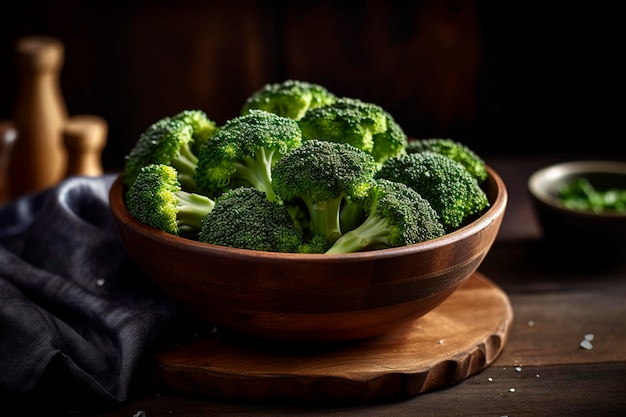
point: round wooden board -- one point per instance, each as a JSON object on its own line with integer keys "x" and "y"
{"x": 459, "y": 338}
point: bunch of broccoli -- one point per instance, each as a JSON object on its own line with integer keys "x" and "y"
{"x": 301, "y": 170}
{"x": 244, "y": 218}
{"x": 452, "y": 191}
{"x": 157, "y": 199}
{"x": 291, "y": 98}
{"x": 171, "y": 141}
{"x": 366, "y": 126}
{"x": 243, "y": 152}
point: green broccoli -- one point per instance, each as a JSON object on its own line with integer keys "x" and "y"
{"x": 321, "y": 174}
{"x": 203, "y": 127}
{"x": 166, "y": 142}
{"x": 452, "y": 149}
{"x": 291, "y": 98}
{"x": 243, "y": 152}
{"x": 351, "y": 213}
{"x": 244, "y": 218}
{"x": 157, "y": 199}
{"x": 363, "y": 125}
{"x": 451, "y": 190}
{"x": 314, "y": 244}
{"x": 170, "y": 141}
{"x": 300, "y": 214}
{"x": 396, "y": 216}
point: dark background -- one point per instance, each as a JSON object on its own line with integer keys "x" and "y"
{"x": 504, "y": 77}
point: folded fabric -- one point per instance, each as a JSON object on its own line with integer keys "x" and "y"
{"x": 76, "y": 315}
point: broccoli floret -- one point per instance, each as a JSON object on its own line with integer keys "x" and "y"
{"x": 396, "y": 216}
{"x": 364, "y": 125}
{"x": 168, "y": 142}
{"x": 351, "y": 213}
{"x": 157, "y": 199}
{"x": 321, "y": 174}
{"x": 291, "y": 98}
{"x": 451, "y": 190}
{"x": 316, "y": 244}
{"x": 452, "y": 149}
{"x": 244, "y": 218}
{"x": 203, "y": 127}
{"x": 243, "y": 152}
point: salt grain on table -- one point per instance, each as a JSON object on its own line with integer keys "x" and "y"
{"x": 586, "y": 342}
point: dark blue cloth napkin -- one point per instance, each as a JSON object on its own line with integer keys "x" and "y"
{"x": 76, "y": 315}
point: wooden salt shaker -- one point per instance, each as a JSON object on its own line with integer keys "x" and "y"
{"x": 38, "y": 158}
{"x": 84, "y": 137}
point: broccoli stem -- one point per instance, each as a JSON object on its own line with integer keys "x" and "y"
{"x": 351, "y": 215}
{"x": 257, "y": 170}
{"x": 325, "y": 217}
{"x": 185, "y": 164}
{"x": 192, "y": 208}
{"x": 372, "y": 232}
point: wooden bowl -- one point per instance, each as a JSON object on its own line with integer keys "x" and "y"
{"x": 310, "y": 297}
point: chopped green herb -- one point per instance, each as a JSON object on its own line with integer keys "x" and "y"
{"x": 581, "y": 194}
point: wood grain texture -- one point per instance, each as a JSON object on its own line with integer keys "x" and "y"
{"x": 549, "y": 328}
{"x": 459, "y": 338}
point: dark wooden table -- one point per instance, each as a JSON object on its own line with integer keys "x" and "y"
{"x": 558, "y": 301}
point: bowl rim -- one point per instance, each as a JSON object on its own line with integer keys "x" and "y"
{"x": 495, "y": 211}
{"x": 554, "y": 172}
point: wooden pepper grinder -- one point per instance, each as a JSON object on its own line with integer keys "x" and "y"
{"x": 38, "y": 158}
{"x": 84, "y": 137}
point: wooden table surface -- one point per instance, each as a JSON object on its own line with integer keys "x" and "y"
{"x": 559, "y": 303}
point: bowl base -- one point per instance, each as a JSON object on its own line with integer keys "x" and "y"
{"x": 419, "y": 357}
